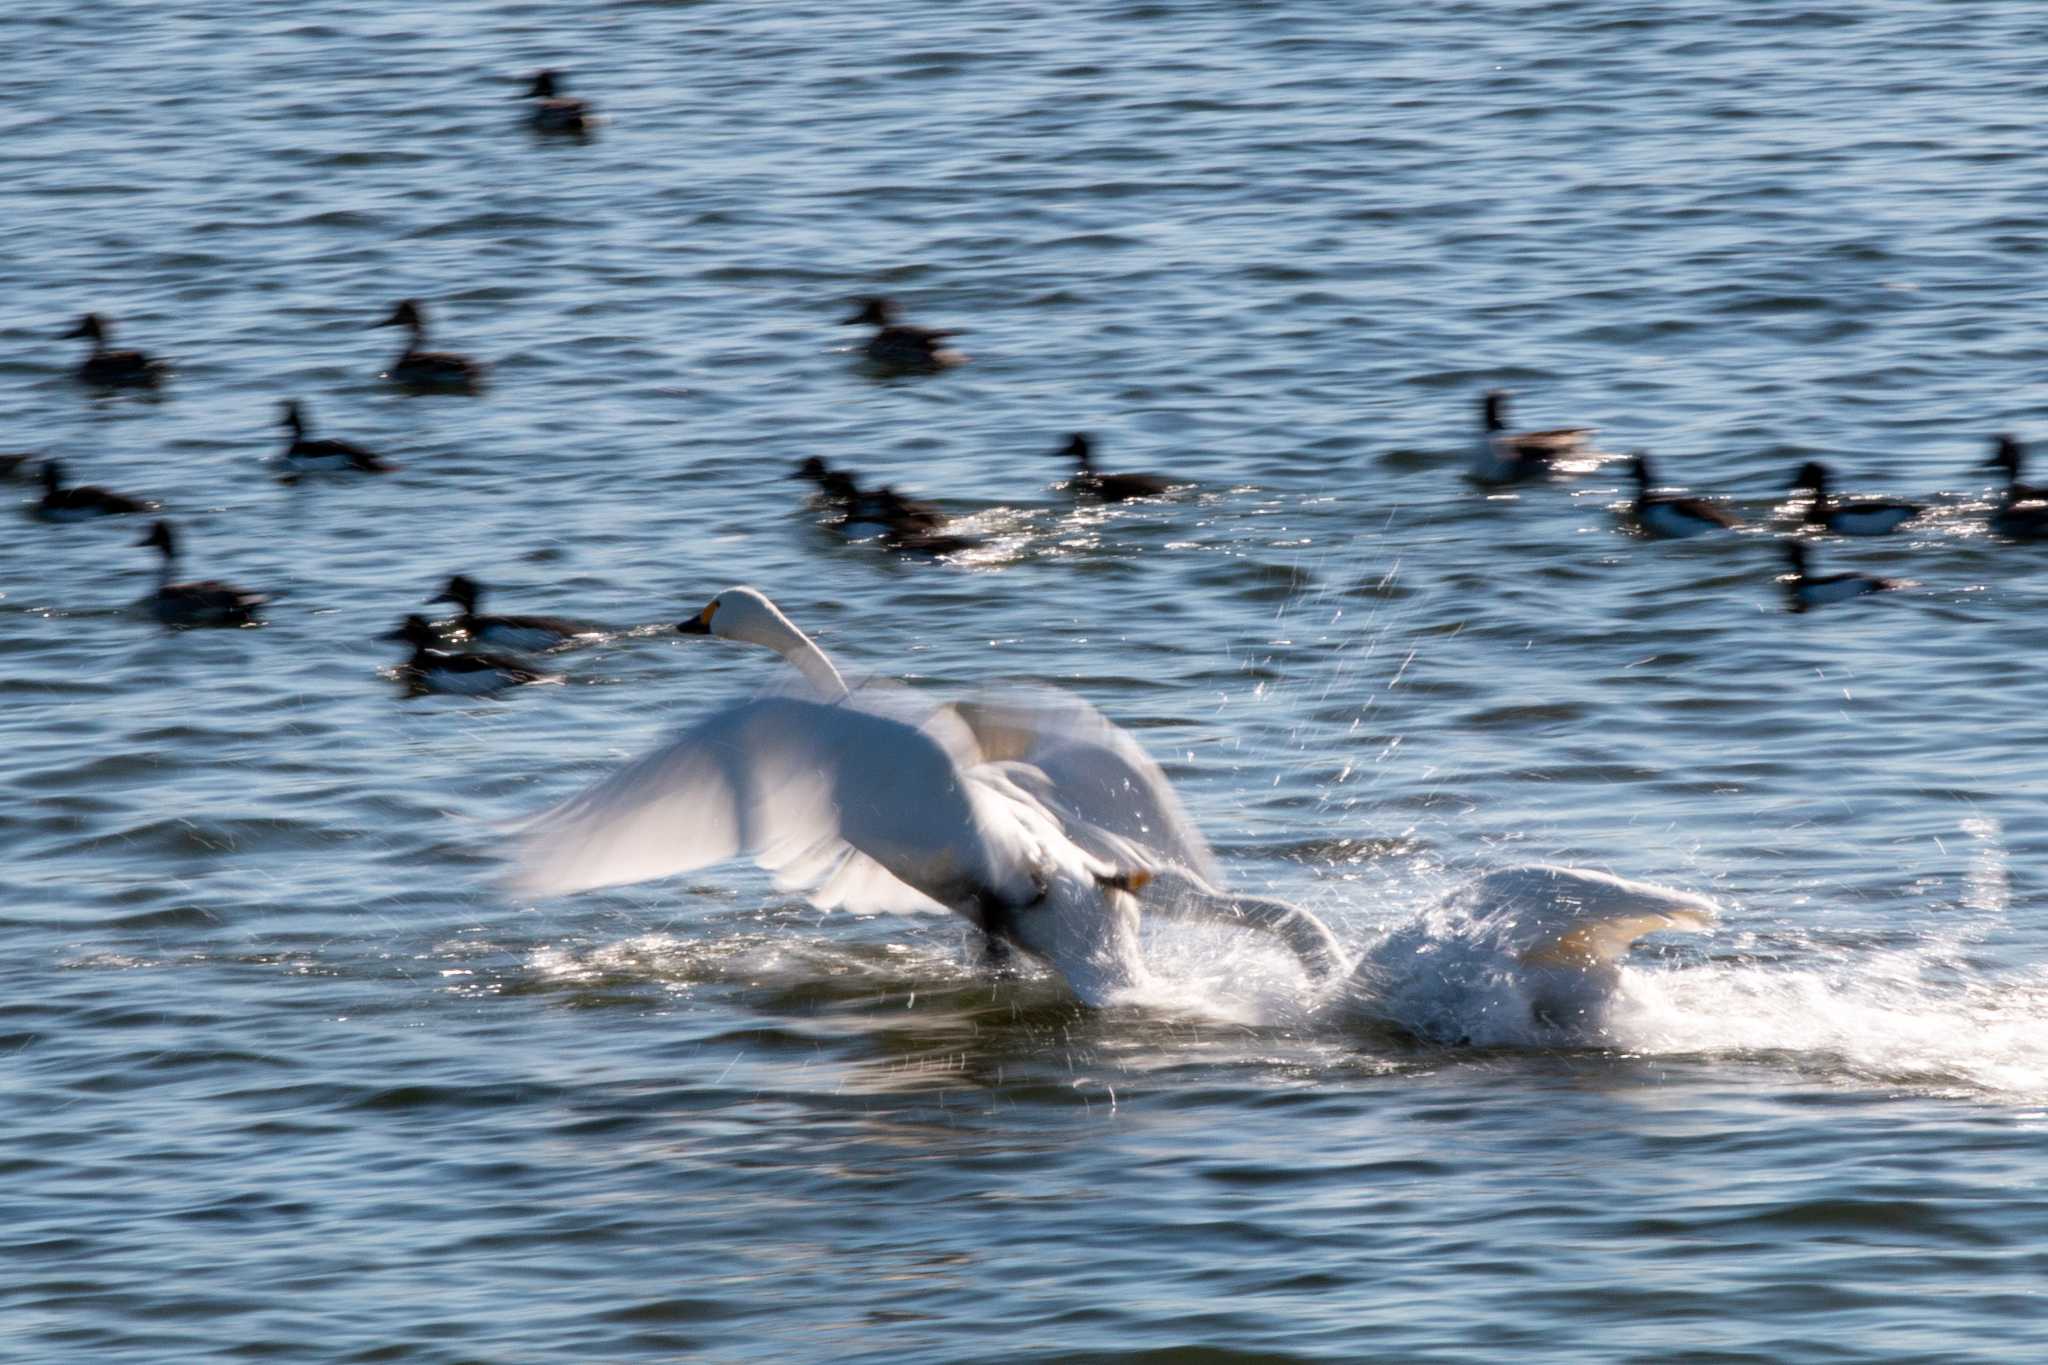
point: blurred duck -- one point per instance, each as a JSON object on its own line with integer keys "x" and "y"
{"x": 309, "y": 455}
{"x": 554, "y": 112}
{"x": 421, "y": 369}
{"x": 1804, "y": 590}
{"x": 1503, "y": 456}
{"x": 905, "y": 514}
{"x": 208, "y": 603}
{"x": 900, "y": 346}
{"x": 507, "y": 632}
{"x": 2008, "y": 454}
{"x": 109, "y": 368}
{"x": 1852, "y": 519}
{"x": 2018, "y": 518}
{"x": 82, "y": 504}
{"x": 1089, "y": 482}
{"x": 1673, "y": 518}
{"x": 436, "y": 670}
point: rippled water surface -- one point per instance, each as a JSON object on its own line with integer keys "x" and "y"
{"x": 291, "y": 1078}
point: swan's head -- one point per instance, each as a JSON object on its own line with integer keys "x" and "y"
{"x": 743, "y": 614}
{"x": 1086, "y": 929}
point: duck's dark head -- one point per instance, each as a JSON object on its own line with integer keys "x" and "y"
{"x": 876, "y": 312}
{"x": 291, "y": 416}
{"x": 417, "y": 632}
{"x": 546, "y": 85}
{"x": 2006, "y": 453}
{"x": 1639, "y": 465}
{"x": 53, "y": 475}
{"x": 463, "y": 591}
{"x": 1813, "y": 474}
{"x": 1493, "y": 408}
{"x": 90, "y": 326}
{"x": 812, "y": 468}
{"x": 1079, "y": 449}
{"x": 159, "y": 537}
{"x": 406, "y": 314}
{"x": 840, "y": 487}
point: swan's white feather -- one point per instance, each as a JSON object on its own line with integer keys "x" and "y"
{"x": 797, "y": 784}
{"x": 1094, "y": 774}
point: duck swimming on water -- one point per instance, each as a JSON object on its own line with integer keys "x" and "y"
{"x": 82, "y": 504}
{"x": 319, "y": 455}
{"x": 1669, "y": 517}
{"x": 508, "y": 632}
{"x": 554, "y": 112}
{"x": 1806, "y": 590}
{"x": 432, "y": 669}
{"x": 206, "y": 603}
{"x": 1089, "y": 482}
{"x": 1504, "y": 456}
{"x": 899, "y": 346}
{"x": 1848, "y": 519}
{"x": 109, "y": 368}
{"x": 422, "y": 369}
{"x": 2008, "y": 454}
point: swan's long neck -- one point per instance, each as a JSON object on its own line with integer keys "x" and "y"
{"x": 797, "y": 647}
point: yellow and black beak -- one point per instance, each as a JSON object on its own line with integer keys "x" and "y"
{"x": 700, "y": 624}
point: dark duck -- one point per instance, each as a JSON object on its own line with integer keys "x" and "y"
{"x": 432, "y": 669}
{"x": 82, "y": 504}
{"x": 900, "y": 347}
{"x": 1504, "y": 456}
{"x": 319, "y": 455}
{"x": 1804, "y": 590}
{"x": 555, "y": 112}
{"x": 1823, "y": 513}
{"x": 1088, "y": 481}
{"x": 507, "y": 632}
{"x": 1669, "y": 517}
{"x": 108, "y": 368}
{"x": 418, "y": 368}
{"x": 204, "y": 603}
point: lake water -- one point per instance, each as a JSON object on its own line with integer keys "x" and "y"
{"x": 289, "y": 1078}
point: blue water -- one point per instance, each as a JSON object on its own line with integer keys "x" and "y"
{"x": 289, "y": 1075}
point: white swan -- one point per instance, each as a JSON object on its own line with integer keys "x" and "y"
{"x": 1525, "y": 955}
{"x": 1029, "y": 815}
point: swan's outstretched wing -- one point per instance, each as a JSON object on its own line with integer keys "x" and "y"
{"x": 1097, "y": 773}
{"x": 1575, "y": 917}
{"x": 867, "y": 807}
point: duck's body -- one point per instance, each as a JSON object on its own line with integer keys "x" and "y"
{"x": 2009, "y": 455}
{"x": 1848, "y": 519}
{"x": 1025, "y": 822}
{"x": 509, "y": 632}
{"x": 1673, "y": 518}
{"x": 108, "y": 368}
{"x": 431, "y": 669}
{"x": 2018, "y": 517}
{"x": 314, "y": 455}
{"x": 418, "y": 368}
{"x": 1502, "y": 456}
{"x": 900, "y": 347}
{"x": 82, "y": 504}
{"x": 1804, "y": 590}
{"x": 1090, "y": 482}
{"x": 554, "y": 112}
{"x": 205, "y": 603}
